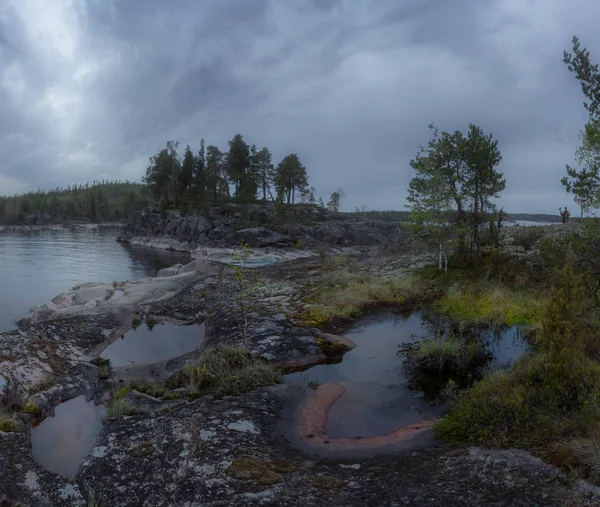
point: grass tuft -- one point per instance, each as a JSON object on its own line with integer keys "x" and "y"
{"x": 449, "y": 353}
{"x": 153, "y": 389}
{"x": 225, "y": 371}
{"x": 7, "y": 423}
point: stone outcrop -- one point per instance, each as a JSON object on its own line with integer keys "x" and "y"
{"x": 256, "y": 225}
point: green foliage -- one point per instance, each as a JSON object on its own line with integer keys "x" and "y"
{"x": 345, "y": 296}
{"x": 449, "y": 353}
{"x": 549, "y": 402}
{"x": 101, "y": 201}
{"x": 225, "y": 371}
{"x": 7, "y": 423}
{"x": 104, "y": 365}
{"x": 488, "y": 304}
{"x": 527, "y": 237}
{"x": 31, "y": 408}
{"x": 335, "y": 200}
{"x": 291, "y": 177}
{"x": 456, "y": 176}
{"x": 587, "y": 74}
{"x": 118, "y": 407}
{"x": 154, "y": 389}
{"x": 122, "y": 392}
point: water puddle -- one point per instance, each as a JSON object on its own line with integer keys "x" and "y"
{"x": 60, "y": 443}
{"x": 147, "y": 346}
{"x": 116, "y": 295}
{"x": 379, "y": 394}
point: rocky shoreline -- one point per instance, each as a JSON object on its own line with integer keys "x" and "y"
{"x": 266, "y": 447}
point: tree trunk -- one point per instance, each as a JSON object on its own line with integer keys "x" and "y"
{"x": 440, "y": 257}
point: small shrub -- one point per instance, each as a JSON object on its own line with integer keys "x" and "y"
{"x": 7, "y": 423}
{"x": 527, "y": 237}
{"x": 330, "y": 348}
{"x": 225, "y": 371}
{"x": 105, "y": 368}
{"x": 150, "y": 321}
{"x": 136, "y": 322}
{"x": 337, "y": 261}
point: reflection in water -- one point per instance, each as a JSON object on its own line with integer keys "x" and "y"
{"x": 379, "y": 396}
{"x": 39, "y": 265}
{"x": 145, "y": 346}
{"x": 61, "y": 442}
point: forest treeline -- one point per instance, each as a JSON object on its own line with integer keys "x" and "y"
{"x": 99, "y": 201}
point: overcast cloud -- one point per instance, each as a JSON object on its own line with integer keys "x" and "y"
{"x": 90, "y": 89}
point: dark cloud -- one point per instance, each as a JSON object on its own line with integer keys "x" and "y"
{"x": 92, "y": 88}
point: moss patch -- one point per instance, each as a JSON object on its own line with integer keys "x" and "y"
{"x": 263, "y": 472}
{"x": 328, "y": 482}
{"x": 330, "y": 348}
{"x": 490, "y": 304}
{"x": 31, "y": 408}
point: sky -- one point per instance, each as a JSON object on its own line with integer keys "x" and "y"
{"x": 90, "y": 89}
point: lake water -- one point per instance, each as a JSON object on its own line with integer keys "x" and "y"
{"x": 36, "y": 266}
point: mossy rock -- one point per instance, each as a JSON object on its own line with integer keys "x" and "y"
{"x": 330, "y": 348}
{"x": 328, "y": 482}
{"x": 262, "y": 472}
{"x": 144, "y": 449}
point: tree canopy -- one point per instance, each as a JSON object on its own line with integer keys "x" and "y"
{"x": 455, "y": 181}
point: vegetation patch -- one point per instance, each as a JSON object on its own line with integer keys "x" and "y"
{"x": 265, "y": 473}
{"x": 328, "y": 482}
{"x": 154, "y": 389}
{"x": 493, "y": 305}
{"x": 117, "y": 406}
{"x": 225, "y": 371}
{"x": 449, "y": 353}
{"x": 345, "y": 297}
{"x": 31, "y": 408}
{"x": 549, "y": 403}
{"x": 105, "y": 368}
{"x": 330, "y": 348}
{"x": 7, "y": 422}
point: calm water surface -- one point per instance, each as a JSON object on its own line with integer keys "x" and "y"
{"x": 36, "y": 266}
{"x": 379, "y": 397}
{"x": 146, "y": 346}
{"x": 60, "y": 443}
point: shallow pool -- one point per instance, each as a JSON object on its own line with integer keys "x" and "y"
{"x": 60, "y": 443}
{"x": 379, "y": 395}
{"x": 147, "y": 346}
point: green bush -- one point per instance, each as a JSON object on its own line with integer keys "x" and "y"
{"x": 527, "y": 237}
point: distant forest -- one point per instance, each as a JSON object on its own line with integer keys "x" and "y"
{"x": 100, "y": 201}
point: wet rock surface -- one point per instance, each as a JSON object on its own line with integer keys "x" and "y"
{"x": 243, "y": 450}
